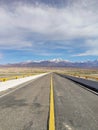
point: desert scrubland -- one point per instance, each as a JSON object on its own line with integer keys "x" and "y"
{"x": 7, "y": 73}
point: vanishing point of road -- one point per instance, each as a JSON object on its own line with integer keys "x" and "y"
{"x": 49, "y": 103}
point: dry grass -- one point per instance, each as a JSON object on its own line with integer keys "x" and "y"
{"x": 83, "y": 73}
{"x": 19, "y": 72}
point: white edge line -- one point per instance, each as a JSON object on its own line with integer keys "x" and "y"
{"x": 19, "y": 87}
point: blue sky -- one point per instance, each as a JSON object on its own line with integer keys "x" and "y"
{"x": 48, "y": 29}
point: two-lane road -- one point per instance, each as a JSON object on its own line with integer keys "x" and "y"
{"x": 75, "y": 107}
{"x": 27, "y": 108}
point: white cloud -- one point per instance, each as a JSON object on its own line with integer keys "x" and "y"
{"x": 92, "y": 50}
{"x": 23, "y": 25}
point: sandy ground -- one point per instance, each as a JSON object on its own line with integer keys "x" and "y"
{"x": 12, "y": 83}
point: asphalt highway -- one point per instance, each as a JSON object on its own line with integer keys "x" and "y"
{"x": 28, "y": 107}
{"x": 93, "y": 85}
{"x": 75, "y": 107}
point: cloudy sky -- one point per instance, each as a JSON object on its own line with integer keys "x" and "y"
{"x": 48, "y": 29}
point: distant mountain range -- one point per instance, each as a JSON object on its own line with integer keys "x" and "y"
{"x": 55, "y": 63}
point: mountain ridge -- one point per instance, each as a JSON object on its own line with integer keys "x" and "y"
{"x": 54, "y": 63}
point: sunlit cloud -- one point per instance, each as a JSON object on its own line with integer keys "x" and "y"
{"x": 40, "y": 25}
{"x": 92, "y": 48}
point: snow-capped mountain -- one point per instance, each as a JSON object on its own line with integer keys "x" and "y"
{"x": 58, "y": 60}
{"x": 55, "y": 63}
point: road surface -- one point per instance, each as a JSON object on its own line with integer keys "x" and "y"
{"x": 75, "y": 107}
{"x": 27, "y": 108}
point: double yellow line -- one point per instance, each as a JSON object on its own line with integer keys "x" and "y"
{"x": 51, "y": 115}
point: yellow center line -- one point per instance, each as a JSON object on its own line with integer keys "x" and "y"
{"x": 51, "y": 116}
